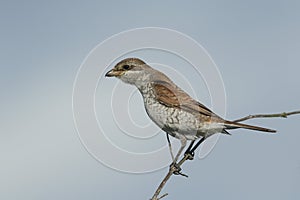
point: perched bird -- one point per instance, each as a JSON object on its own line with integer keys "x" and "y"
{"x": 172, "y": 109}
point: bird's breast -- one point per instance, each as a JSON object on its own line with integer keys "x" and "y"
{"x": 172, "y": 119}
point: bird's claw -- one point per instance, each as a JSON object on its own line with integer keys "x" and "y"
{"x": 176, "y": 169}
{"x": 182, "y": 174}
{"x": 190, "y": 155}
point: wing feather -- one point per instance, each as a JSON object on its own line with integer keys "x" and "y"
{"x": 172, "y": 96}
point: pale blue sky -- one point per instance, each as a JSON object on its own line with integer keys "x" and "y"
{"x": 255, "y": 45}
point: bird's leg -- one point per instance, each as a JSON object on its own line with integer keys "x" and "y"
{"x": 170, "y": 147}
{"x": 183, "y": 144}
{"x": 174, "y": 165}
{"x": 190, "y": 152}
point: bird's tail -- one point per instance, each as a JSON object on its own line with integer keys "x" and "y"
{"x": 234, "y": 125}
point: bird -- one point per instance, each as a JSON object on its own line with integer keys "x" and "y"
{"x": 173, "y": 110}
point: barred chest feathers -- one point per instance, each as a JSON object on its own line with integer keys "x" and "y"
{"x": 167, "y": 118}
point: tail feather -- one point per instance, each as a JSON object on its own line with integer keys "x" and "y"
{"x": 234, "y": 125}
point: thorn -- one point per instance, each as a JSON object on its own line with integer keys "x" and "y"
{"x": 284, "y": 115}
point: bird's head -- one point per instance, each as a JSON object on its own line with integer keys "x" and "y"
{"x": 131, "y": 70}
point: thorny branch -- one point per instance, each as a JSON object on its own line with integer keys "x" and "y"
{"x": 187, "y": 156}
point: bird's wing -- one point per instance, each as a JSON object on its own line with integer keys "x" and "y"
{"x": 172, "y": 96}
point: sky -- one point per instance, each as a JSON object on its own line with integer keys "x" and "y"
{"x": 255, "y": 46}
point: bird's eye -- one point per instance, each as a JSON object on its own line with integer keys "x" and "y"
{"x": 126, "y": 67}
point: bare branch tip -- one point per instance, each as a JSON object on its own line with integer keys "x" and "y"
{"x": 162, "y": 196}
{"x": 159, "y": 198}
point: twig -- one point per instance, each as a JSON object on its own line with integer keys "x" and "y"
{"x": 167, "y": 177}
{"x": 187, "y": 156}
{"x": 283, "y": 115}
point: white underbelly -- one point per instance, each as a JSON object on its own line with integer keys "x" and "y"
{"x": 173, "y": 120}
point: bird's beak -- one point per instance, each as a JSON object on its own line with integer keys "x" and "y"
{"x": 113, "y": 72}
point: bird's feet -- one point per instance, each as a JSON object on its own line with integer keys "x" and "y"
{"x": 176, "y": 169}
{"x": 190, "y": 155}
